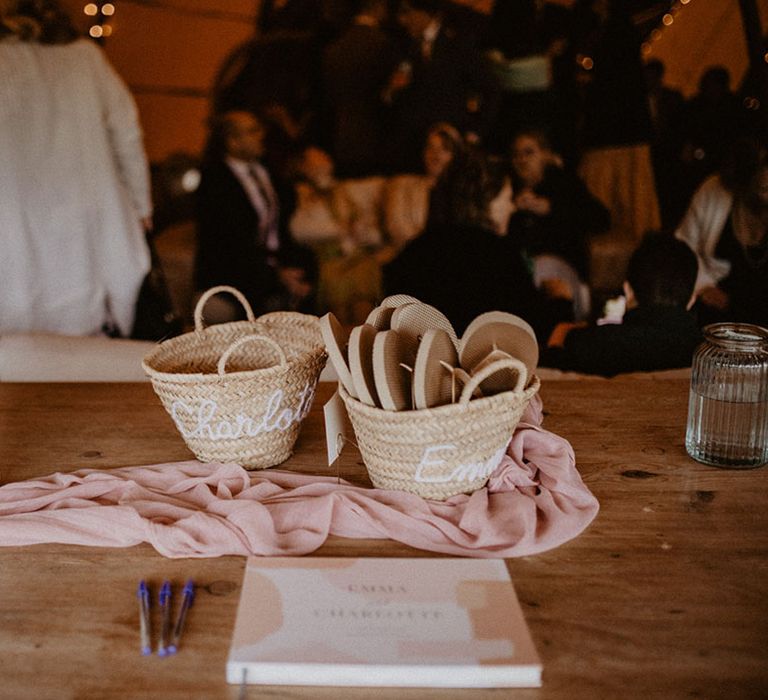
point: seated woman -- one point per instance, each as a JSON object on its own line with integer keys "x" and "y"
{"x": 727, "y": 227}
{"x": 314, "y": 221}
{"x": 555, "y": 216}
{"x": 406, "y": 200}
{"x": 465, "y": 263}
{"x": 340, "y": 221}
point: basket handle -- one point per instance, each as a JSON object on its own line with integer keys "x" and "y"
{"x": 203, "y": 300}
{"x": 478, "y": 377}
{"x": 221, "y": 367}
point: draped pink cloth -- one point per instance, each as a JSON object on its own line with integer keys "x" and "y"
{"x": 535, "y": 500}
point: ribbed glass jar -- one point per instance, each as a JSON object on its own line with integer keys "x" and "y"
{"x": 728, "y": 404}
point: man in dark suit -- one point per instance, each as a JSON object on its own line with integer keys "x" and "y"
{"x": 441, "y": 77}
{"x": 667, "y": 110}
{"x": 355, "y": 70}
{"x": 240, "y": 239}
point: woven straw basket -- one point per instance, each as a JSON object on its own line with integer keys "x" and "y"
{"x": 439, "y": 452}
{"x": 239, "y": 391}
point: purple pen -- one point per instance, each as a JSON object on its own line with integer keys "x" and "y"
{"x": 165, "y": 629}
{"x": 188, "y": 597}
{"x": 143, "y": 595}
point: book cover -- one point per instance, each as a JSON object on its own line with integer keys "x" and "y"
{"x": 381, "y": 622}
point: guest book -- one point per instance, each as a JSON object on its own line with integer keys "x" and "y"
{"x": 381, "y": 622}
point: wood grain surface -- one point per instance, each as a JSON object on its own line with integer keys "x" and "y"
{"x": 664, "y": 596}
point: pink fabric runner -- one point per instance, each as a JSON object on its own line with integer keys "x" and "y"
{"x": 534, "y": 501}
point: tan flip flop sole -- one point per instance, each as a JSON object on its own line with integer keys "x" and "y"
{"x": 414, "y": 319}
{"x": 336, "y": 342}
{"x": 393, "y": 381}
{"x": 360, "y": 354}
{"x": 380, "y": 317}
{"x": 433, "y": 385}
{"x": 498, "y": 330}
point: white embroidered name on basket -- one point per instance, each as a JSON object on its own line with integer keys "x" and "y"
{"x": 431, "y": 468}
{"x": 272, "y": 418}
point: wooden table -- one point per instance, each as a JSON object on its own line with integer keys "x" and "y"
{"x": 664, "y": 596}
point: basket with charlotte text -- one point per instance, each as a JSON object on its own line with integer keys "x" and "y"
{"x": 239, "y": 391}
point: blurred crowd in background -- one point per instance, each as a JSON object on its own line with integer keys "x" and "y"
{"x": 371, "y": 147}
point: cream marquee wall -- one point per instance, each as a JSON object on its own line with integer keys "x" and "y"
{"x": 168, "y": 51}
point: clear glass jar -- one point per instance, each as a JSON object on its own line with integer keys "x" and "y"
{"x": 728, "y": 404}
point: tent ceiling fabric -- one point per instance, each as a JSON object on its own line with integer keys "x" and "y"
{"x": 703, "y": 34}
{"x": 169, "y": 50}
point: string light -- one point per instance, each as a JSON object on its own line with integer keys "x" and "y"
{"x": 666, "y": 21}
{"x": 100, "y": 11}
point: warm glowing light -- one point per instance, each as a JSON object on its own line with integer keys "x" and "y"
{"x": 645, "y": 48}
{"x": 684, "y": 2}
{"x": 108, "y": 9}
{"x": 656, "y": 34}
{"x": 765, "y": 58}
{"x": 667, "y": 19}
{"x": 190, "y": 180}
{"x": 91, "y": 9}
{"x": 96, "y": 31}
{"x": 107, "y": 29}
{"x": 587, "y": 63}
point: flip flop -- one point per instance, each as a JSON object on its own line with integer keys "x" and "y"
{"x": 390, "y": 373}
{"x": 361, "y": 363}
{"x": 395, "y": 300}
{"x": 498, "y": 330}
{"x": 380, "y": 317}
{"x": 336, "y": 342}
{"x": 413, "y": 320}
{"x": 433, "y": 385}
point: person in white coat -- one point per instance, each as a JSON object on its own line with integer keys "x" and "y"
{"x": 727, "y": 227}
{"x": 74, "y": 180}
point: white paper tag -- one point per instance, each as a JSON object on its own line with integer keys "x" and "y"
{"x": 337, "y": 426}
